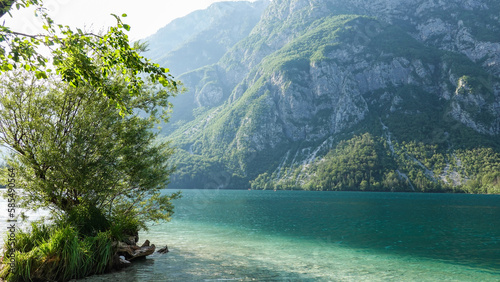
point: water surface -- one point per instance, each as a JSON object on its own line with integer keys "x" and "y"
{"x": 218, "y": 235}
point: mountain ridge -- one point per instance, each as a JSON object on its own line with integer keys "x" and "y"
{"x": 312, "y": 76}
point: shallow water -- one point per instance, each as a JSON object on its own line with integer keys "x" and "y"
{"x": 219, "y": 235}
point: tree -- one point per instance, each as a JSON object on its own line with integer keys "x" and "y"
{"x": 79, "y": 57}
{"x": 98, "y": 170}
{"x": 80, "y": 158}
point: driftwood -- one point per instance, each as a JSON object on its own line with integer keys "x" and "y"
{"x": 163, "y": 250}
{"x": 128, "y": 251}
{"x": 131, "y": 252}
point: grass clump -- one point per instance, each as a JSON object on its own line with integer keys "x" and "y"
{"x": 56, "y": 253}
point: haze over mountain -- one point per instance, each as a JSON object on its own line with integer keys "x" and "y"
{"x": 385, "y": 95}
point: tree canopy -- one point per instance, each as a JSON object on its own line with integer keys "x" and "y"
{"x": 79, "y": 57}
{"x": 76, "y": 155}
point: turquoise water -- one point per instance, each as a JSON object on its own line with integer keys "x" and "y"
{"x": 219, "y": 235}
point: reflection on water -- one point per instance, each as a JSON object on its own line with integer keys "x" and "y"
{"x": 324, "y": 236}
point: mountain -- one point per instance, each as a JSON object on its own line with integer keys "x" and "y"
{"x": 380, "y": 95}
{"x": 198, "y": 40}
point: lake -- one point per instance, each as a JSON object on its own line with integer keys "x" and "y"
{"x": 242, "y": 235}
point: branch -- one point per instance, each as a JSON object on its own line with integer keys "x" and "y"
{"x": 25, "y": 35}
{"x": 119, "y": 193}
{"x": 41, "y": 36}
{"x": 139, "y": 198}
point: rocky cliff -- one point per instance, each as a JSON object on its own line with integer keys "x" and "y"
{"x": 419, "y": 80}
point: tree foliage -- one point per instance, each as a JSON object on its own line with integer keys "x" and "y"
{"x": 79, "y": 57}
{"x": 361, "y": 163}
{"x": 78, "y": 157}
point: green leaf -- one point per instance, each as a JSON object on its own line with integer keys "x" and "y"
{"x": 163, "y": 81}
{"x": 124, "y": 15}
{"x": 41, "y": 74}
{"x": 7, "y": 67}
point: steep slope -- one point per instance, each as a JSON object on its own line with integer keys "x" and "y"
{"x": 203, "y": 37}
{"x": 311, "y": 75}
{"x": 198, "y": 40}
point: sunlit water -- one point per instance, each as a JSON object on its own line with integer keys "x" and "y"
{"x": 218, "y": 235}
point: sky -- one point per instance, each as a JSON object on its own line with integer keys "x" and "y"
{"x": 144, "y": 18}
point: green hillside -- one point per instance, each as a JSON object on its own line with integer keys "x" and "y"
{"x": 366, "y": 100}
